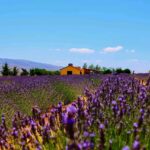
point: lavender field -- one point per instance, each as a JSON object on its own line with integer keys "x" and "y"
{"x": 93, "y": 112}
{"x": 22, "y": 93}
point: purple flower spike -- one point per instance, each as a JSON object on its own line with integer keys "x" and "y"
{"x": 85, "y": 134}
{"x": 135, "y": 125}
{"x": 114, "y": 102}
{"x": 136, "y": 145}
{"x": 102, "y": 126}
{"x": 92, "y": 135}
{"x": 126, "y": 148}
{"x": 72, "y": 109}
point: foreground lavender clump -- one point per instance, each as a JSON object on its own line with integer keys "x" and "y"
{"x": 116, "y": 116}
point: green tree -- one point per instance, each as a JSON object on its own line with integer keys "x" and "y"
{"x": 14, "y": 71}
{"x": 54, "y": 72}
{"x": 104, "y": 69}
{"x": 119, "y": 70}
{"x": 24, "y": 72}
{"x": 127, "y": 71}
{"x": 85, "y": 65}
{"x": 57, "y": 72}
{"x": 5, "y": 70}
{"x": 41, "y": 71}
{"x": 107, "y": 71}
{"x": 32, "y": 72}
{"x": 91, "y": 67}
{"x": 113, "y": 70}
{"x": 97, "y": 68}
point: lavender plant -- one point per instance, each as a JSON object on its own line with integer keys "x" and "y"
{"x": 116, "y": 115}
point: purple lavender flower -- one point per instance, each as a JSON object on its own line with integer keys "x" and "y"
{"x": 135, "y": 125}
{"x": 102, "y": 126}
{"x": 136, "y": 145}
{"x": 126, "y": 148}
{"x": 114, "y": 102}
{"x": 72, "y": 109}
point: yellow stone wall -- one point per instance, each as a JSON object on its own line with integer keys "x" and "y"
{"x": 71, "y": 68}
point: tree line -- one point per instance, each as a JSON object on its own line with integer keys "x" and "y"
{"x": 105, "y": 70}
{"x": 7, "y": 71}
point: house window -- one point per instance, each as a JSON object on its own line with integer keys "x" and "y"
{"x": 69, "y": 72}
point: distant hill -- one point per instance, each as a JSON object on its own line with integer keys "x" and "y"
{"x": 27, "y": 64}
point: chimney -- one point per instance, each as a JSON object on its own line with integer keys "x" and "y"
{"x": 70, "y": 64}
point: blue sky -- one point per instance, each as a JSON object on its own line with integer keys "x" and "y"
{"x": 111, "y": 33}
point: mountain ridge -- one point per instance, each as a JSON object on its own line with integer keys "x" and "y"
{"x": 27, "y": 64}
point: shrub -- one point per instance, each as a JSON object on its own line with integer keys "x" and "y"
{"x": 107, "y": 71}
{"x": 38, "y": 72}
{"x": 127, "y": 71}
{"x": 24, "y": 72}
{"x": 57, "y": 72}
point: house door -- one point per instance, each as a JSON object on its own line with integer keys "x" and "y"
{"x": 69, "y": 72}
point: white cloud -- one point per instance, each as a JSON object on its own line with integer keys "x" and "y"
{"x": 82, "y": 50}
{"x": 112, "y": 49}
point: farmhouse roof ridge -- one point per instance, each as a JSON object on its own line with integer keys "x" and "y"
{"x": 77, "y": 67}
